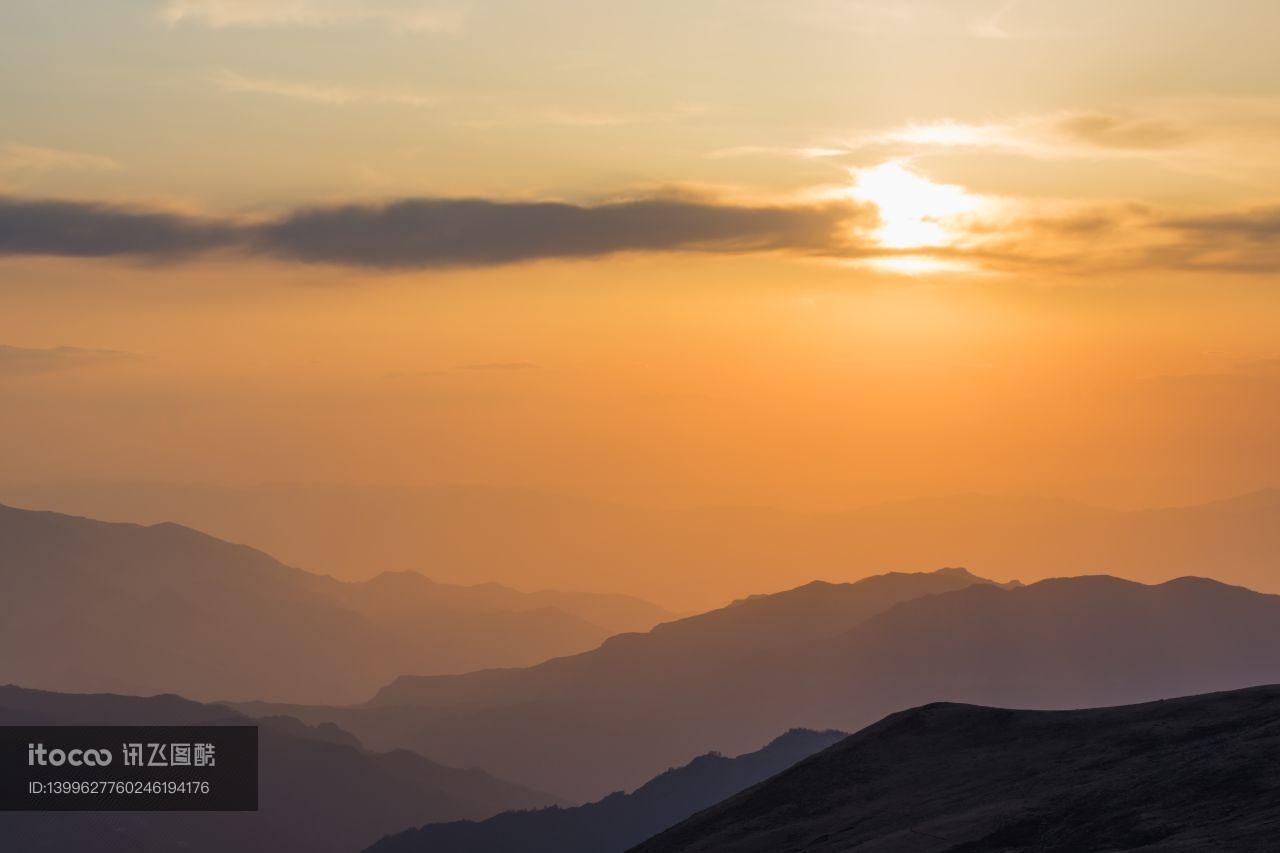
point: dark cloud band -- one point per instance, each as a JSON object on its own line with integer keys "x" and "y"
{"x": 82, "y": 229}
{"x": 436, "y": 233}
{"x": 429, "y": 232}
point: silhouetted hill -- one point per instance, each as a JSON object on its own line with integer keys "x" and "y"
{"x": 409, "y": 593}
{"x": 152, "y": 609}
{"x": 693, "y": 647}
{"x": 694, "y": 559}
{"x": 317, "y": 791}
{"x": 1067, "y": 642}
{"x": 1178, "y": 776}
{"x": 611, "y": 718}
{"x": 577, "y": 727}
{"x": 619, "y": 820}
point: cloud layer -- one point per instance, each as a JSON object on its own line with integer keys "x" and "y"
{"x": 1247, "y": 241}
{"x": 86, "y": 229}
{"x": 233, "y": 83}
{"x": 442, "y": 233}
{"x": 16, "y": 361}
{"x": 403, "y": 15}
{"x": 20, "y": 164}
{"x": 429, "y": 232}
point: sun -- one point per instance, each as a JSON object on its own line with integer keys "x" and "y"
{"x": 915, "y": 213}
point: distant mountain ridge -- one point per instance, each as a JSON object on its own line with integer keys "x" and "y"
{"x": 620, "y": 820}
{"x": 701, "y": 643}
{"x": 1070, "y": 642}
{"x": 168, "y": 609}
{"x": 1178, "y": 776}
{"x": 617, "y": 715}
{"x": 319, "y": 791}
{"x": 694, "y": 559}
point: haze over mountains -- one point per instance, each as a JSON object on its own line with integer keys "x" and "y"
{"x": 165, "y": 608}
{"x": 615, "y": 823}
{"x": 1179, "y": 776}
{"x": 614, "y": 717}
{"x": 691, "y": 559}
{"x": 318, "y": 791}
{"x": 145, "y": 610}
{"x": 607, "y": 719}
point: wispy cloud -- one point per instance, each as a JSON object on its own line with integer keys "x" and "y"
{"x": 997, "y": 25}
{"x": 1245, "y": 241}
{"x": 1081, "y": 239}
{"x": 15, "y": 361}
{"x": 410, "y": 16}
{"x": 589, "y": 118}
{"x": 236, "y": 83}
{"x": 479, "y": 110}
{"x": 21, "y": 163}
{"x": 947, "y": 18}
{"x": 1125, "y": 132}
{"x": 480, "y": 367}
{"x": 1231, "y": 139}
{"x": 866, "y": 17}
{"x": 808, "y": 153}
{"x": 1063, "y": 135}
{"x": 500, "y": 366}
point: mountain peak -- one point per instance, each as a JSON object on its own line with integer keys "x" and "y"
{"x": 954, "y": 571}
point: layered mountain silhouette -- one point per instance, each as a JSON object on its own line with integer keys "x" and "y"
{"x": 141, "y": 610}
{"x": 607, "y": 719}
{"x": 611, "y": 718}
{"x": 693, "y": 559}
{"x": 1178, "y": 776}
{"x": 318, "y": 789}
{"x": 697, "y": 646}
{"x": 620, "y": 820}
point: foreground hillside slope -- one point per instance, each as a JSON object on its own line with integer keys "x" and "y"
{"x": 1178, "y": 776}
{"x": 583, "y": 729}
{"x": 619, "y": 820}
{"x": 158, "y": 609}
{"x": 318, "y": 790}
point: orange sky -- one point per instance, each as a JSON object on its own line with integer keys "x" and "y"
{"x": 815, "y": 253}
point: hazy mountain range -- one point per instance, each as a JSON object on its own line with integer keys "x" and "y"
{"x": 144, "y": 609}
{"x": 141, "y": 610}
{"x": 608, "y": 719}
{"x": 1179, "y": 776}
{"x": 318, "y": 791}
{"x": 640, "y": 703}
{"x": 620, "y": 820}
{"x": 692, "y": 559}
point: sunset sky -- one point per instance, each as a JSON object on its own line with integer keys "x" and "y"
{"x": 802, "y": 253}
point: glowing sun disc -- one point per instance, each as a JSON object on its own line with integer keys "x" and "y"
{"x": 914, "y": 211}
